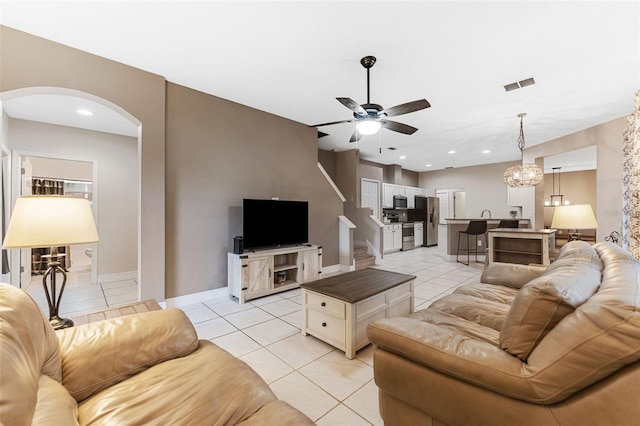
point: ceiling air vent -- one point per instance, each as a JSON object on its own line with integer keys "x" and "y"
{"x": 519, "y": 84}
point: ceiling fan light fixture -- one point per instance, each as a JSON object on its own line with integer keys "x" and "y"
{"x": 368, "y": 127}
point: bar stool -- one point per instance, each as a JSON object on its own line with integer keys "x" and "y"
{"x": 475, "y": 228}
{"x": 509, "y": 223}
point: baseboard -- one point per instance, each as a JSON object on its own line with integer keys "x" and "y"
{"x": 121, "y": 276}
{"x": 348, "y": 268}
{"x": 190, "y": 299}
{"x": 328, "y": 270}
{"x": 80, "y": 268}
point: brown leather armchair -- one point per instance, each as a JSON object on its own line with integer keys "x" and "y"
{"x": 142, "y": 369}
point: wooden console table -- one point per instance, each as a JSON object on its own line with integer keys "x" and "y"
{"x": 523, "y": 246}
{"x": 337, "y": 309}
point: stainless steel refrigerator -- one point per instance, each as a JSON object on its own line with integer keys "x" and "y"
{"x": 427, "y": 209}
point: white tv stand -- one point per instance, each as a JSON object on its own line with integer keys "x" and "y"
{"x": 255, "y": 274}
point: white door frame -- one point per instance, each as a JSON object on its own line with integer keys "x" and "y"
{"x": 16, "y": 182}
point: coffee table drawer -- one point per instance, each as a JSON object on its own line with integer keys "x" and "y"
{"x": 326, "y": 305}
{"x": 327, "y": 327}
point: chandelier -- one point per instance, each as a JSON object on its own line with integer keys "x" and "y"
{"x": 526, "y": 174}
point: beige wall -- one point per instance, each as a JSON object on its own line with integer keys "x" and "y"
{"x": 483, "y": 186}
{"x": 219, "y": 152}
{"x": 347, "y": 180}
{"x": 27, "y": 61}
{"x": 117, "y": 158}
{"x": 607, "y": 138}
{"x": 410, "y": 178}
{"x": 329, "y": 162}
{"x": 577, "y": 188}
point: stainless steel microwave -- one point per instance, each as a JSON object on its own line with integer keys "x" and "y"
{"x": 399, "y": 202}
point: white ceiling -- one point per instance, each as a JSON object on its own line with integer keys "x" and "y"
{"x": 294, "y": 58}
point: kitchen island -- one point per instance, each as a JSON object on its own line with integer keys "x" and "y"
{"x": 448, "y": 234}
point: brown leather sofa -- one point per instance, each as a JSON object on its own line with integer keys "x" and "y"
{"x": 142, "y": 369}
{"x": 525, "y": 346}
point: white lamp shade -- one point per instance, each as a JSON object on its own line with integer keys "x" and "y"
{"x": 577, "y": 216}
{"x": 368, "y": 127}
{"x": 49, "y": 221}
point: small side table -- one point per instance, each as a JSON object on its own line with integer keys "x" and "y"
{"x": 523, "y": 246}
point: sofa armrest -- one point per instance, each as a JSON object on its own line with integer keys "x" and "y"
{"x": 451, "y": 352}
{"x": 98, "y": 355}
{"x": 510, "y": 274}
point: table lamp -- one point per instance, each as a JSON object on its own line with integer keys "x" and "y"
{"x": 51, "y": 221}
{"x": 574, "y": 217}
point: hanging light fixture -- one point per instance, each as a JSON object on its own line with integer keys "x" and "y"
{"x": 526, "y": 174}
{"x": 556, "y": 199}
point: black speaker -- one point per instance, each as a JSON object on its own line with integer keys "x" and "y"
{"x": 237, "y": 245}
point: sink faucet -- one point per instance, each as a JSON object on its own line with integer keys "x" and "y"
{"x": 485, "y": 210}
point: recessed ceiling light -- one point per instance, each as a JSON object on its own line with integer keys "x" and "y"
{"x": 84, "y": 112}
{"x": 402, "y": 157}
{"x": 452, "y": 152}
{"x": 427, "y": 165}
{"x": 486, "y": 151}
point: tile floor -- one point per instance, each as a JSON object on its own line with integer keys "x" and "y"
{"x": 80, "y": 296}
{"x": 265, "y": 333}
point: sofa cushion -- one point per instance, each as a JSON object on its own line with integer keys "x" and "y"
{"x": 545, "y": 301}
{"x": 495, "y": 293}
{"x": 210, "y": 384}
{"x": 487, "y": 313}
{"x": 121, "y": 347}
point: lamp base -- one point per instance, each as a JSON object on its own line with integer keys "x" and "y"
{"x": 574, "y": 236}
{"x": 59, "y": 323}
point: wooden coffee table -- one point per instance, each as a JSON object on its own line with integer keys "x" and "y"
{"x": 337, "y": 309}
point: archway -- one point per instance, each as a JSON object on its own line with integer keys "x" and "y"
{"x": 52, "y": 105}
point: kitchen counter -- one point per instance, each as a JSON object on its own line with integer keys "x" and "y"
{"x": 448, "y": 238}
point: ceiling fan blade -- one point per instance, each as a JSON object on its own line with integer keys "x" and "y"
{"x": 406, "y": 108}
{"x": 398, "y": 127}
{"x": 352, "y": 105}
{"x": 356, "y": 136}
{"x": 333, "y": 122}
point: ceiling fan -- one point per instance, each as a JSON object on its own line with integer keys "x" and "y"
{"x": 371, "y": 117}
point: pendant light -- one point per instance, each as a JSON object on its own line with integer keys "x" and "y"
{"x": 526, "y": 174}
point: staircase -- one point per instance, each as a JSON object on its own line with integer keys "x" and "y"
{"x": 361, "y": 257}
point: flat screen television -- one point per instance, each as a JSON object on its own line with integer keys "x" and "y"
{"x": 274, "y": 223}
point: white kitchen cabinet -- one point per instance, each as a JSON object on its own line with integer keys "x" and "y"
{"x": 257, "y": 274}
{"x": 400, "y": 190}
{"x": 418, "y": 234}
{"x": 389, "y": 190}
{"x": 392, "y": 237}
{"x": 411, "y": 197}
{"x": 387, "y": 195}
